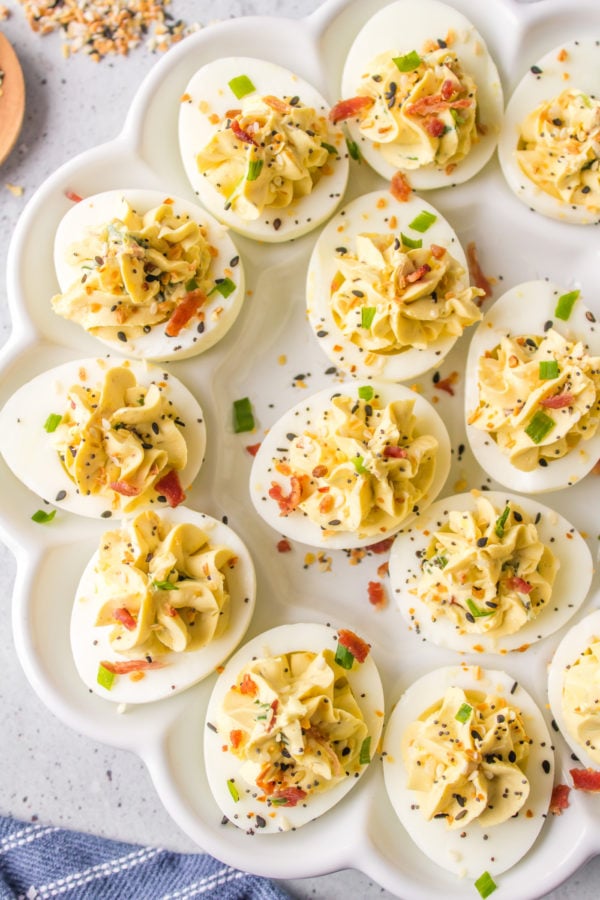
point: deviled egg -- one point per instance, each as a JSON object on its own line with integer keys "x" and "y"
{"x": 549, "y": 148}
{"x": 293, "y": 722}
{"x": 573, "y": 681}
{"x": 259, "y": 150}
{"x": 468, "y": 766}
{"x": 150, "y": 275}
{"x": 422, "y": 94}
{"x": 489, "y": 572}
{"x": 532, "y": 395}
{"x": 165, "y": 599}
{"x": 103, "y": 437}
{"x": 347, "y": 468}
{"x": 388, "y": 289}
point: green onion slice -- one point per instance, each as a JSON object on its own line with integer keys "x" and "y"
{"x": 241, "y": 85}
{"x": 243, "y": 418}
{"x": 365, "y": 752}
{"x": 344, "y": 657}
{"x": 458, "y": 119}
{"x": 191, "y": 285}
{"x": 409, "y": 62}
{"x": 565, "y": 304}
{"x": 476, "y": 612}
{"x": 486, "y": 885}
{"x": 225, "y": 287}
{"x": 353, "y": 150}
{"x": 501, "y": 522}
{"x": 254, "y": 169}
{"x": 412, "y": 243}
{"x": 52, "y": 422}
{"x": 235, "y": 794}
{"x": 366, "y": 392}
{"x": 367, "y": 314}
{"x": 548, "y": 369}
{"x": 359, "y": 464}
{"x": 105, "y": 678}
{"x": 329, "y": 147}
{"x": 464, "y": 713}
{"x": 42, "y": 517}
{"x": 423, "y": 221}
{"x": 165, "y": 585}
{"x": 539, "y": 427}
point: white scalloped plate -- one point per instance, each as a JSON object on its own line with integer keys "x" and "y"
{"x": 271, "y": 356}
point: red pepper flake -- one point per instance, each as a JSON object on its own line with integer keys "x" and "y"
{"x": 381, "y": 546}
{"x": 447, "y": 384}
{"x": 123, "y": 616}
{"x": 585, "y": 779}
{"x": 347, "y": 109}
{"x": 477, "y": 276}
{"x": 130, "y": 665}
{"x": 400, "y": 188}
{"x": 242, "y": 135}
{"x": 352, "y": 642}
{"x": 71, "y": 195}
{"x": 235, "y": 738}
{"x": 558, "y": 401}
{"x": 253, "y": 449}
{"x": 376, "y": 594}
{"x": 124, "y": 488}
{"x": 170, "y": 486}
{"x": 560, "y": 799}
{"x": 248, "y": 686}
{"x": 184, "y": 311}
{"x": 284, "y": 546}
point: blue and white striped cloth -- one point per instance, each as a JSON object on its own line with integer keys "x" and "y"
{"x": 38, "y": 862}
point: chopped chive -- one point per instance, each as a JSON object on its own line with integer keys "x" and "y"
{"x": 344, "y": 657}
{"x": 367, "y": 314}
{"x": 409, "y": 62}
{"x": 359, "y": 464}
{"x": 243, "y": 418}
{"x": 458, "y": 119}
{"x": 365, "y": 752}
{"x": 105, "y": 678}
{"x": 329, "y": 147}
{"x": 52, "y": 422}
{"x": 501, "y": 522}
{"x": 254, "y": 169}
{"x": 165, "y": 585}
{"x": 464, "y": 713}
{"x": 539, "y": 427}
{"x": 225, "y": 287}
{"x": 191, "y": 285}
{"x": 241, "y": 85}
{"x": 476, "y": 612}
{"x": 235, "y": 794}
{"x": 366, "y": 392}
{"x": 413, "y": 243}
{"x": 564, "y": 306}
{"x": 42, "y": 517}
{"x": 486, "y": 885}
{"x": 353, "y": 150}
{"x": 548, "y": 369}
{"x": 423, "y": 221}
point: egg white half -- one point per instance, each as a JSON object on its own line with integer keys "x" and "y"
{"x": 90, "y": 643}
{"x": 526, "y": 309}
{"x": 221, "y": 766}
{"x": 219, "y": 312}
{"x": 405, "y": 26}
{"x": 570, "y": 587}
{"x": 379, "y": 213}
{"x": 494, "y": 849}
{"x": 29, "y": 451}
{"x": 575, "y": 641}
{"x": 274, "y": 446}
{"x": 579, "y": 70}
{"x": 208, "y": 94}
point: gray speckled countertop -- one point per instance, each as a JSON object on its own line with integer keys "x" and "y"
{"x": 49, "y": 773}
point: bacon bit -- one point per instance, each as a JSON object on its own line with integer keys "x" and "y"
{"x": 558, "y": 401}
{"x": 233, "y": 113}
{"x": 123, "y": 616}
{"x": 519, "y": 584}
{"x": 184, "y": 311}
{"x": 447, "y": 384}
{"x": 419, "y": 273}
{"x": 124, "y": 488}
{"x": 290, "y": 502}
{"x": 437, "y": 252}
{"x": 284, "y": 546}
{"x": 326, "y": 504}
{"x": 130, "y": 665}
{"x": 275, "y": 103}
{"x": 352, "y": 642}
{"x": 585, "y": 779}
{"x": 347, "y": 109}
{"x": 395, "y": 452}
{"x": 274, "y": 706}
{"x": 383, "y": 569}
{"x": 248, "y": 686}
{"x": 242, "y": 135}
{"x": 253, "y": 449}
{"x": 71, "y": 195}
{"x": 381, "y": 546}
{"x": 400, "y": 188}
{"x": 448, "y": 88}
{"x": 435, "y": 103}
{"x": 290, "y": 796}
{"x": 170, "y": 611}
{"x": 559, "y": 800}
{"x": 376, "y": 594}
{"x": 235, "y": 738}
{"x": 435, "y": 127}
{"x": 477, "y": 276}
{"x": 170, "y": 486}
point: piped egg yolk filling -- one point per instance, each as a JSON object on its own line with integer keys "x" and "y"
{"x": 559, "y": 148}
{"x": 424, "y": 109}
{"x": 539, "y": 396}
{"x": 136, "y": 272}
{"x": 581, "y": 699}
{"x": 387, "y": 297}
{"x": 122, "y": 441}
{"x": 465, "y": 759}
{"x": 361, "y": 468}
{"x": 295, "y": 724}
{"x": 267, "y": 154}
{"x": 161, "y": 587}
{"x": 486, "y": 570}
